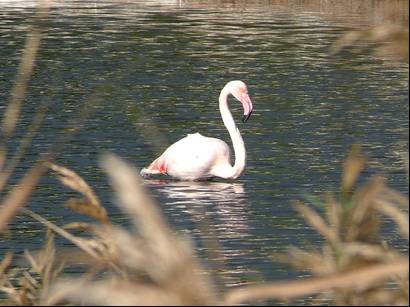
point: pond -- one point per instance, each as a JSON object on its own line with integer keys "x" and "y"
{"x": 150, "y": 72}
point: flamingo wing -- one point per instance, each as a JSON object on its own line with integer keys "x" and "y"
{"x": 158, "y": 165}
{"x": 191, "y": 158}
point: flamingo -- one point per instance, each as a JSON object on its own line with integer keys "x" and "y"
{"x": 197, "y": 157}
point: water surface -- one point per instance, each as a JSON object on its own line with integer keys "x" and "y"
{"x": 157, "y": 69}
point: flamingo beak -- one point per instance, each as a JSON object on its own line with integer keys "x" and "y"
{"x": 247, "y": 106}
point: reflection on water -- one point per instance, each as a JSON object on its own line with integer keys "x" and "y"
{"x": 158, "y": 67}
{"x": 374, "y": 10}
{"x": 194, "y": 198}
{"x": 220, "y": 213}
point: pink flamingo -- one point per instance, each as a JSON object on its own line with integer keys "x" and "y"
{"x": 197, "y": 157}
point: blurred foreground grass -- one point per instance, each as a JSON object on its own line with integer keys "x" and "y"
{"x": 151, "y": 265}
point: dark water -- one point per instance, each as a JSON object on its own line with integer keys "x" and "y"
{"x": 153, "y": 74}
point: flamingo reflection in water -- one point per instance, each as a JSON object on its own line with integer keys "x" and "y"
{"x": 225, "y": 202}
{"x": 220, "y": 213}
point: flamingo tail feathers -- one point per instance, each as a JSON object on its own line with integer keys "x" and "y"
{"x": 156, "y": 167}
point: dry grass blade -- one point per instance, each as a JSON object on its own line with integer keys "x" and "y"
{"x": 24, "y": 144}
{"x": 32, "y": 261}
{"x": 91, "y": 205}
{"x": 134, "y": 199}
{"x": 42, "y": 261}
{"x": 112, "y": 292}
{"x": 363, "y": 221}
{"x": 19, "y": 90}
{"x": 401, "y": 218}
{"x": 353, "y": 166}
{"x": 334, "y": 213}
{"x": 300, "y": 259}
{"x": 88, "y": 208}
{"x": 82, "y": 244}
{"x": 4, "y": 264}
{"x": 18, "y": 196}
{"x": 360, "y": 269}
{"x": 153, "y": 267}
{"x": 370, "y": 252}
{"x": 24, "y": 73}
{"x": 360, "y": 279}
{"x": 317, "y": 222}
{"x": 171, "y": 260}
{"x": 91, "y": 247}
{"x": 82, "y": 226}
{"x": 394, "y": 40}
{"x": 24, "y": 286}
{"x": 395, "y": 198}
{"x": 75, "y": 182}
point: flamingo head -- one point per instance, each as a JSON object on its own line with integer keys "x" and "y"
{"x": 240, "y": 91}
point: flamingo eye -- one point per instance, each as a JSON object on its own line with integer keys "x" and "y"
{"x": 242, "y": 90}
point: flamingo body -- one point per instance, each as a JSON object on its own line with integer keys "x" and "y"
{"x": 197, "y": 157}
{"x": 193, "y": 157}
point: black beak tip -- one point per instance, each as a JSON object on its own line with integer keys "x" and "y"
{"x": 246, "y": 117}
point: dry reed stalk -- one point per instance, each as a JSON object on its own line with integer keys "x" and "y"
{"x": 18, "y": 196}
{"x": 302, "y": 259}
{"x": 352, "y": 167}
{"x": 400, "y": 218}
{"x": 172, "y": 253}
{"x": 4, "y": 264}
{"x": 317, "y": 222}
{"x": 157, "y": 268}
{"x": 12, "y": 163}
{"x": 334, "y": 213}
{"x": 20, "y": 86}
{"x": 154, "y": 267}
{"x": 133, "y": 199}
{"x": 113, "y": 292}
{"x": 361, "y": 222}
{"x": 393, "y": 40}
{"x": 361, "y": 279}
{"x": 83, "y": 244}
{"x": 24, "y": 286}
{"x": 395, "y": 198}
{"x": 91, "y": 205}
{"x": 354, "y": 264}
{"x": 370, "y": 253}
{"x": 18, "y": 92}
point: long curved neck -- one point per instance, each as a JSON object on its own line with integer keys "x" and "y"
{"x": 237, "y": 141}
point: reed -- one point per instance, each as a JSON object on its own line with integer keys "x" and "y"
{"x": 354, "y": 266}
{"x": 390, "y": 39}
{"x": 151, "y": 265}
{"x": 147, "y": 266}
